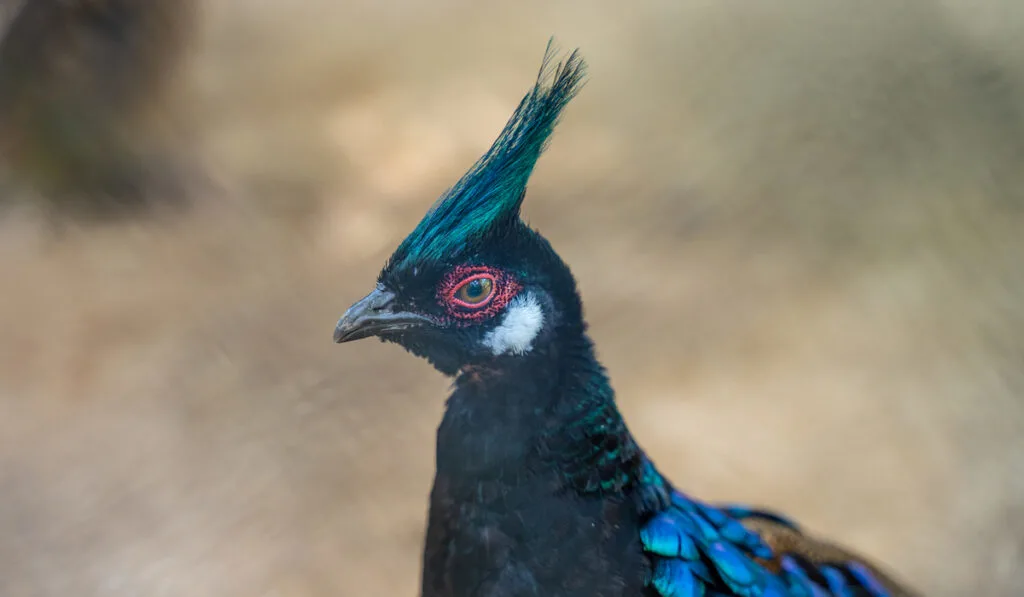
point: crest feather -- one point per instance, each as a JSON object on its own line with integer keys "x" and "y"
{"x": 491, "y": 192}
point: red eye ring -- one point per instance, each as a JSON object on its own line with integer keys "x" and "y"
{"x": 488, "y": 284}
{"x": 503, "y": 288}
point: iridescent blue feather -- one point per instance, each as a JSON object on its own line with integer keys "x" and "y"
{"x": 700, "y": 550}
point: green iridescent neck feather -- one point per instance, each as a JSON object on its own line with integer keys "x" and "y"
{"x": 597, "y": 452}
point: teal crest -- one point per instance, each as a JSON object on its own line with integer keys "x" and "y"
{"x": 491, "y": 192}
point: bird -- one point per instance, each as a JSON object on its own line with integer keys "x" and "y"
{"x": 540, "y": 488}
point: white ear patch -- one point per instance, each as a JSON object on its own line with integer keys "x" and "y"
{"x": 518, "y": 329}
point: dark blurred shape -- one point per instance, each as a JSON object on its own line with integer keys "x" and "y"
{"x": 86, "y": 98}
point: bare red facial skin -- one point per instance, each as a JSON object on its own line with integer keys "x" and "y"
{"x": 503, "y": 289}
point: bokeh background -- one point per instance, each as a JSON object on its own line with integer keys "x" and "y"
{"x": 797, "y": 226}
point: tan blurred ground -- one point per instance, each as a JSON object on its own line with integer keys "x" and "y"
{"x": 797, "y": 227}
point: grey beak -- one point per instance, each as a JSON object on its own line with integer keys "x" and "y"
{"x": 373, "y": 315}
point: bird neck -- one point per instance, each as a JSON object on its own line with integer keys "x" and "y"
{"x": 552, "y": 411}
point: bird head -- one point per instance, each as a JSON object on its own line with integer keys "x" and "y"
{"x": 473, "y": 284}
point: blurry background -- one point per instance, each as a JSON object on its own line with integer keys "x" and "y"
{"x": 796, "y": 225}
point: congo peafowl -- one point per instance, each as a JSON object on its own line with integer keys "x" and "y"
{"x": 540, "y": 488}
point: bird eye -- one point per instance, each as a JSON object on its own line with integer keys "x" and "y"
{"x": 475, "y": 291}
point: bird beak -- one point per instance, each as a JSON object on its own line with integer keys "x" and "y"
{"x": 373, "y": 315}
